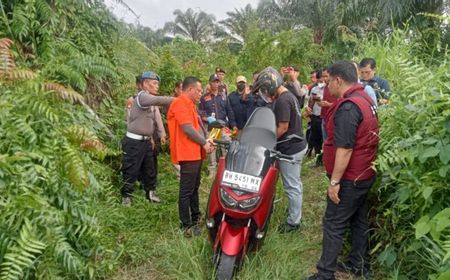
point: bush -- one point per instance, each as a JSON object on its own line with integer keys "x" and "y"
{"x": 413, "y": 208}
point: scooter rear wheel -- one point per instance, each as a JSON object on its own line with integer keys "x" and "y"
{"x": 226, "y": 266}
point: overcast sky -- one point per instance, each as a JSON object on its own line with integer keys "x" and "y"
{"x": 154, "y": 13}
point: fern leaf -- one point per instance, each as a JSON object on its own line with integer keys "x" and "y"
{"x": 21, "y": 74}
{"x": 23, "y": 254}
{"x": 44, "y": 109}
{"x": 5, "y": 43}
{"x": 67, "y": 256}
{"x": 75, "y": 168}
{"x": 5, "y": 243}
{"x": 77, "y": 134}
{"x": 95, "y": 146}
{"x": 6, "y": 59}
{"x": 24, "y": 128}
{"x": 64, "y": 93}
{"x": 446, "y": 247}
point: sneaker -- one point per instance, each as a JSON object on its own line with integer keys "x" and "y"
{"x": 349, "y": 268}
{"x": 152, "y": 197}
{"x": 126, "y": 202}
{"x": 288, "y": 228}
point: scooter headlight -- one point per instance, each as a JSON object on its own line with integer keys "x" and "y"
{"x": 249, "y": 204}
{"x": 227, "y": 199}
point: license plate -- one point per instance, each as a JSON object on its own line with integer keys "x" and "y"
{"x": 241, "y": 181}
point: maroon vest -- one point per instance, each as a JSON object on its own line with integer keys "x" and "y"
{"x": 365, "y": 149}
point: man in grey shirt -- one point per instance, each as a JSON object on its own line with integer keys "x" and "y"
{"x": 138, "y": 159}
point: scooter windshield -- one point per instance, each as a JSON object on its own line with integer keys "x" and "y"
{"x": 248, "y": 159}
{"x": 251, "y": 153}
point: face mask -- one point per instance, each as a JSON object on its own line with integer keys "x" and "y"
{"x": 240, "y": 86}
{"x": 287, "y": 78}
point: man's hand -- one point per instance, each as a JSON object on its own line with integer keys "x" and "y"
{"x": 307, "y": 112}
{"x": 163, "y": 140}
{"x": 152, "y": 143}
{"x": 333, "y": 193}
{"x": 209, "y": 146}
{"x": 383, "y": 101}
{"x": 325, "y": 104}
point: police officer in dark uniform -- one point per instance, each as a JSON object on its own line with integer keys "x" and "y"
{"x": 214, "y": 105}
{"x": 223, "y": 88}
{"x": 349, "y": 152}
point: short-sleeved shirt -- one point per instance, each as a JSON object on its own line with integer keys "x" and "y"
{"x": 183, "y": 111}
{"x": 317, "y": 91}
{"x": 346, "y": 121}
{"x": 287, "y": 109}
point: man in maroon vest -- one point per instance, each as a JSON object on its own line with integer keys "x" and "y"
{"x": 349, "y": 152}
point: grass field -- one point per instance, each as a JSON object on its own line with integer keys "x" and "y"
{"x": 149, "y": 244}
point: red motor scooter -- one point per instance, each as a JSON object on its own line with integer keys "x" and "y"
{"x": 241, "y": 199}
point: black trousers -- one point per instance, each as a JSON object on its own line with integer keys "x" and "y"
{"x": 188, "y": 203}
{"x": 316, "y": 134}
{"x": 139, "y": 162}
{"x": 352, "y": 210}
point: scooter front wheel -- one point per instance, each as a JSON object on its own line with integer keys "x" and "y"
{"x": 225, "y": 268}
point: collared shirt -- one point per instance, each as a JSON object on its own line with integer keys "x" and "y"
{"x": 380, "y": 86}
{"x": 141, "y": 120}
{"x": 217, "y": 104}
{"x": 183, "y": 111}
{"x": 159, "y": 130}
{"x": 317, "y": 92}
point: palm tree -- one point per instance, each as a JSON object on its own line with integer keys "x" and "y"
{"x": 196, "y": 26}
{"x": 278, "y": 15}
{"x": 238, "y": 22}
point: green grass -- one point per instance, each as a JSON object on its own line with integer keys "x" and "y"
{"x": 148, "y": 243}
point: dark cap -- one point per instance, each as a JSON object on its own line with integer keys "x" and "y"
{"x": 150, "y": 75}
{"x": 220, "y": 70}
{"x": 214, "y": 77}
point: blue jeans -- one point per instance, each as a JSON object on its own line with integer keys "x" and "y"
{"x": 324, "y": 130}
{"x": 290, "y": 174}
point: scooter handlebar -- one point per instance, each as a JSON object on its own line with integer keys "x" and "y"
{"x": 222, "y": 142}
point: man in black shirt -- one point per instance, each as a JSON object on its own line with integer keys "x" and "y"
{"x": 349, "y": 152}
{"x": 291, "y": 141}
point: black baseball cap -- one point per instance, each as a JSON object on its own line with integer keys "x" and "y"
{"x": 220, "y": 70}
{"x": 214, "y": 77}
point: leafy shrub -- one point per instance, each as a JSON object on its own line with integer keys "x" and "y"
{"x": 414, "y": 160}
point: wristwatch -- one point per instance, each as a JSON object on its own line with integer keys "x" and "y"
{"x": 334, "y": 183}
